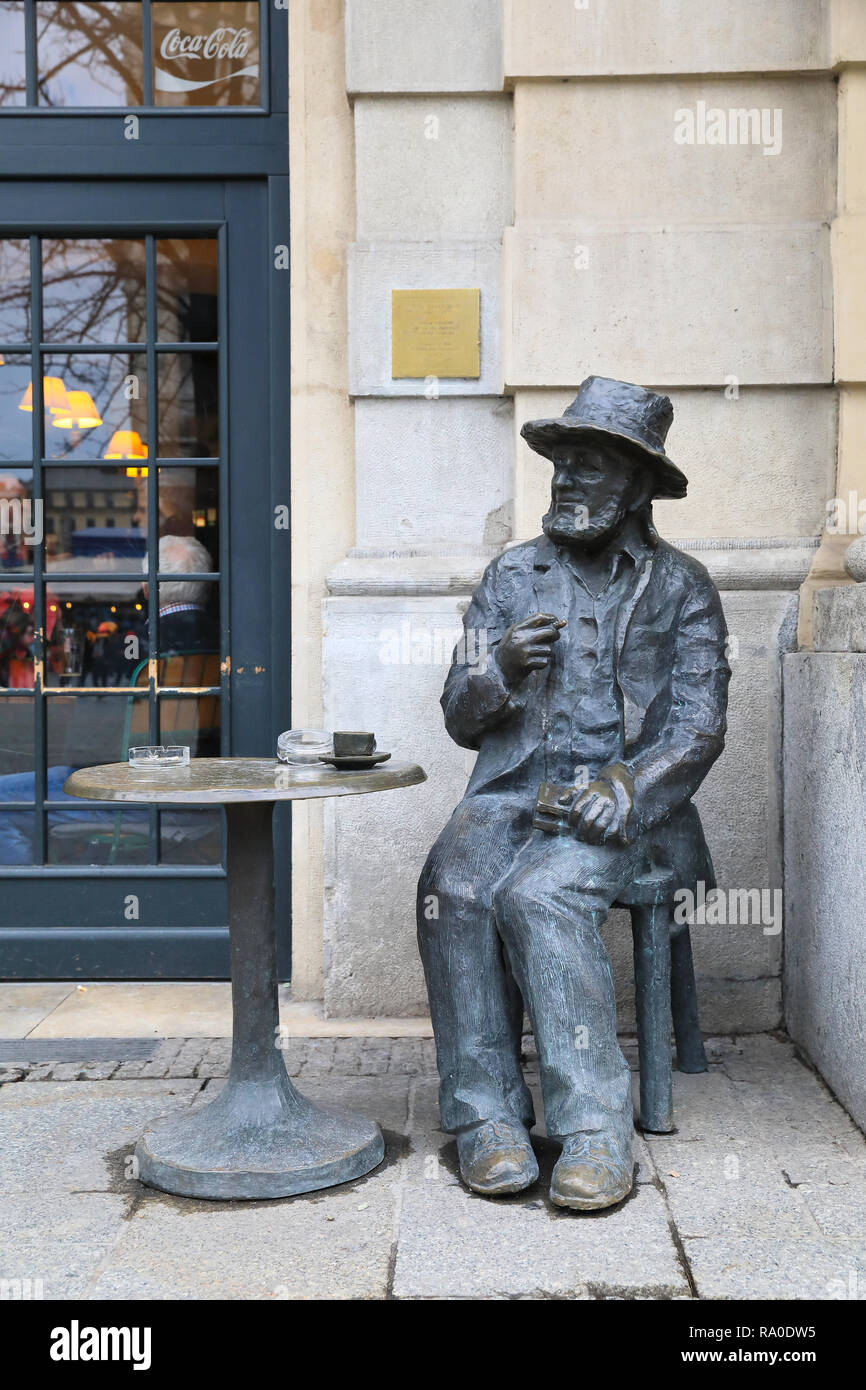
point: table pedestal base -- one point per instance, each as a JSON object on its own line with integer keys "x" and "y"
{"x": 257, "y": 1141}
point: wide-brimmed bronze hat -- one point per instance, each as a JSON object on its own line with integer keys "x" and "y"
{"x": 609, "y": 409}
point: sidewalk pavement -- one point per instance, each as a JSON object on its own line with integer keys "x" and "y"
{"x": 761, "y": 1193}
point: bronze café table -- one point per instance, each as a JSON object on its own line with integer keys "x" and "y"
{"x": 260, "y": 1137}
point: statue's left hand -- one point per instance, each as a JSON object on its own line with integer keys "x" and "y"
{"x": 596, "y": 815}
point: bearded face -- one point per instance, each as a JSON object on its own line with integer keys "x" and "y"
{"x": 594, "y": 488}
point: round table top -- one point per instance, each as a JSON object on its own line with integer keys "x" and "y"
{"x": 223, "y": 780}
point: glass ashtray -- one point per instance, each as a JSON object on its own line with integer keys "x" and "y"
{"x": 158, "y": 755}
{"x": 304, "y": 746}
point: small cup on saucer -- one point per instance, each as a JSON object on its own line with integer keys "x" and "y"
{"x": 351, "y": 743}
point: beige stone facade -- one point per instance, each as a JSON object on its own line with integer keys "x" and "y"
{"x": 646, "y": 190}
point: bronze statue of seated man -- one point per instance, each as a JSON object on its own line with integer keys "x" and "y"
{"x": 605, "y": 673}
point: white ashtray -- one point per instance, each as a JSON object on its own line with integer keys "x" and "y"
{"x": 158, "y": 755}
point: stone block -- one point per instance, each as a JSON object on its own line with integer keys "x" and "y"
{"x": 413, "y": 46}
{"x": 614, "y": 139}
{"x": 690, "y": 306}
{"x": 839, "y": 624}
{"x": 385, "y": 665}
{"x": 433, "y": 471}
{"x": 825, "y": 849}
{"x": 378, "y": 267}
{"x": 432, "y": 169}
{"x": 60, "y": 1135}
{"x": 559, "y": 38}
{"x": 766, "y": 1267}
{"x": 454, "y": 1245}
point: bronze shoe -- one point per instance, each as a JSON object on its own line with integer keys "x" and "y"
{"x": 496, "y": 1158}
{"x": 592, "y": 1172}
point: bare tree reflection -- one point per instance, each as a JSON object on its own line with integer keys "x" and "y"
{"x": 100, "y": 43}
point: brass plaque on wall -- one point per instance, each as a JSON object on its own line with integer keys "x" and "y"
{"x": 435, "y": 333}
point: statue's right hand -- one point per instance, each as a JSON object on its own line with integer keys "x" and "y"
{"x": 528, "y": 646}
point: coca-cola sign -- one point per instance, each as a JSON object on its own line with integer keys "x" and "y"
{"x": 219, "y": 43}
{"x": 187, "y": 61}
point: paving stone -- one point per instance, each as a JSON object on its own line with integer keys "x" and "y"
{"x": 769, "y": 1268}
{"x": 58, "y": 1238}
{"x": 62, "y": 1135}
{"x": 840, "y": 1211}
{"x": 98, "y": 1071}
{"x": 384, "y": 1099}
{"x": 705, "y": 1206}
{"x": 68, "y": 1071}
{"x": 456, "y": 1245}
{"x": 188, "y": 1056}
{"x": 334, "y": 1244}
{"x": 830, "y": 1164}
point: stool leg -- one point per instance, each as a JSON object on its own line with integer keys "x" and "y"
{"x": 684, "y": 1003}
{"x": 652, "y": 978}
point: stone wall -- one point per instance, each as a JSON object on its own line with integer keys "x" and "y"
{"x": 529, "y": 148}
{"x": 825, "y": 851}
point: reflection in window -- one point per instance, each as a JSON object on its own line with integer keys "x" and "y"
{"x": 16, "y": 745}
{"x": 20, "y": 522}
{"x": 16, "y": 409}
{"x": 188, "y": 393}
{"x": 14, "y": 291}
{"x": 101, "y": 635}
{"x": 95, "y": 519}
{"x": 186, "y": 290}
{"x": 16, "y": 834}
{"x": 13, "y": 73}
{"x": 93, "y": 291}
{"x": 18, "y": 634}
{"x": 89, "y": 54}
{"x": 205, "y": 53}
{"x": 103, "y": 413}
{"x": 188, "y": 506}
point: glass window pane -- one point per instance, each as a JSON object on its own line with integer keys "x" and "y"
{"x": 93, "y": 291}
{"x": 186, "y": 290}
{"x": 95, "y": 518}
{"x": 97, "y": 634}
{"x": 189, "y": 627}
{"x": 14, "y": 291}
{"x": 189, "y": 506}
{"x": 16, "y": 635}
{"x": 206, "y": 53}
{"x": 16, "y": 837}
{"x": 13, "y": 73}
{"x": 190, "y": 837}
{"x": 82, "y": 730}
{"x": 191, "y": 721}
{"x": 91, "y": 835}
{"x": 16, "y": 747}
{"x": 99, "y": 407}
{"x": 89, "y": 54}
{"x": 21, "y": 522}
{"x": 16, "y": 409}
{"x": 188, "y": 413}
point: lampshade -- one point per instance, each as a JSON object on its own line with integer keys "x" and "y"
{"x": 125, "y": 444}
{"x": 54, "y": 395}
{"x": 82, "y": 414}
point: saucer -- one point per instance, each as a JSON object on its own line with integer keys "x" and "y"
{"x": 358, "y": 762}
